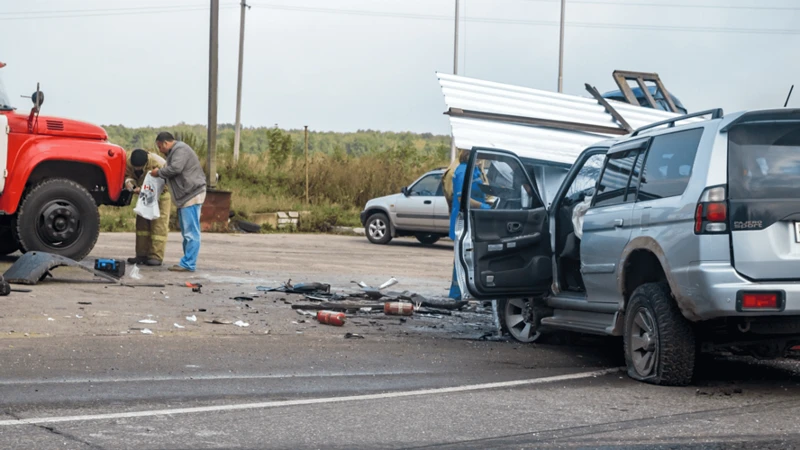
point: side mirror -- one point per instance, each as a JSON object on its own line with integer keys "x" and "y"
{"x": 405, "y": 191}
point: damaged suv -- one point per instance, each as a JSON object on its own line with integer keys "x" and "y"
{"x": 681, "y": 237}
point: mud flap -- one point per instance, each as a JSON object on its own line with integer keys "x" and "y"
{"x": 33, "y": 267}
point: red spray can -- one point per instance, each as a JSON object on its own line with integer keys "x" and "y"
{"x": 398, "y": 309}
{"x": 331, "y": 318}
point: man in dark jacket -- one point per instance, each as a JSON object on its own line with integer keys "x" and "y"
{"x": 187, "y": 183}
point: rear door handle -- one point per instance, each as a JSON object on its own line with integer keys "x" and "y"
{"x": 427, "y": 202}
{"x": 618, "y": 223}
{"x": 514, "y": 227}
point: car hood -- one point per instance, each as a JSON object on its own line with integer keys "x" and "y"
{"x": 385, "y": 200}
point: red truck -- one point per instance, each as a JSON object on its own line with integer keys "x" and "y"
{"x": 54, "y": 173}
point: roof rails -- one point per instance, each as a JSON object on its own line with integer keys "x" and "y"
{"x": 715, "y": 114}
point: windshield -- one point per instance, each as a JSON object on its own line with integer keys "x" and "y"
{"x": 5, "y": 104}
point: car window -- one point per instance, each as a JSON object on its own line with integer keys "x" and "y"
{"x": 501, "y": 182}
{"x": 586, "y": 180}
{"x": 668, "y": 165}
{"x": 427, "y": 186}
{"x": 613, "y": 183}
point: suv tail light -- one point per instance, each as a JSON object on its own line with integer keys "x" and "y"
{"x": 711, "y": 215}
{"x": 759, "y": 301}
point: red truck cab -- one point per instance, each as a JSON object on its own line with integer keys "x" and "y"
{"x": 54, "y": 173}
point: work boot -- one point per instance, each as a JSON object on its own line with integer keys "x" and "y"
{"x": 153, "y": 262}
{"x": 177, "y": 268}
{"x": 137, "y": 260}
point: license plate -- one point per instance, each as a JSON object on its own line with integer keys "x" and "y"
{"x": 797, "y": 232}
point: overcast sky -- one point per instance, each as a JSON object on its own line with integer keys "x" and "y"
{"x": 344, "y": 65}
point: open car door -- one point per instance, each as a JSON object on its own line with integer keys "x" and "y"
{"x": 502, "y": 233}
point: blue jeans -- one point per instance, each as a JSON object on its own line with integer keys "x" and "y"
{"x": 190, "y": 230}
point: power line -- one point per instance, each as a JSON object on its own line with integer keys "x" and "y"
{"x": 63, "y": 14}
{"x": 671, "y": 5}
{"x": 600, "y": 25}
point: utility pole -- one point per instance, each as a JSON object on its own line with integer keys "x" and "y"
{"x": 238, "y": 126}
{"x": 306, "y": 137}
{"x": 561, "y": 48}
{"x": 455, "y": 72}
{"x": 213, "y": 65}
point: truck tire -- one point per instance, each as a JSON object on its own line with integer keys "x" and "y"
{"x": 8, "y": 243}
{"x": 58, "y": 216}
{"x": 427, "y": 239}
{"x": 378, "y": 229}
{"x": 659, "y": 342}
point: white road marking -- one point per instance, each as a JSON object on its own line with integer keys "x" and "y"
{"x": 310, "y": 401}
{"x": 167, "y": 378}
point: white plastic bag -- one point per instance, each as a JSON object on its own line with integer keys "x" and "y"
{"x": 147, "y": 204}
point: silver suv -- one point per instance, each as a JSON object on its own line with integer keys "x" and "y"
{"x": 420, "y": 210}
{"x": 687, "y": 240}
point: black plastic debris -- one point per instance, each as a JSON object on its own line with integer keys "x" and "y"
{"x": 353, "y": 336}
{"x": 243, "y": 299}
{"x": 33, "y": 267}
{"x": 299, "y": 288}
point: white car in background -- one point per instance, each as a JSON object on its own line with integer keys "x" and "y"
{"x": 419, "y": 210}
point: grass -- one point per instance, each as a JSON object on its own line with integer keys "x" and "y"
{"x": 339, "y": 184}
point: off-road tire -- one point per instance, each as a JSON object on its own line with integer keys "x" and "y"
{"x": 427, "y": 239}
{"x": 675, "y": 350}
{"x": 27, "y": 221}
{"x": 380, "y": 222}
{"x": 8, "y": 243}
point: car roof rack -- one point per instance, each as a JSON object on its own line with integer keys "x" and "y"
{"x": 716, "y": 113}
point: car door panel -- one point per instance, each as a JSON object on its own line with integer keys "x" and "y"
{"x": 503, "y": 251}
{"x": 509, "y": 259}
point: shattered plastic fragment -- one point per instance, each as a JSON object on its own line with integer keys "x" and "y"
{"x": 135, "y": 273}
{"x": 78, "y": 316}
{"x": 50, "y": 319}
{"x": 147, "y": 331}
{"x": 147, "y": 321}
{"x": 191, "y": 318}
{"x": 178, "y": 326}
{"x": 353, "y": 336}
{"x": 239, "y": 323}
{"x": 391, "y": 282}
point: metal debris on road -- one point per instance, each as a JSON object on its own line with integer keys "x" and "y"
{"x": 219, "y": 322}
{"x": 191, "y": 318}
{"x": 300, "y": 288}
{"x": 375, "y": 293}
{"x": 353, "y": 336}
{"x": 84, "y": 303}
{"x": 334, "y": 318}
{"x": 303, "y": 312}
{"x": 243, "y": 299}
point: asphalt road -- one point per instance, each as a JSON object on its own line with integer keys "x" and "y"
{"x": 97, "y": 382}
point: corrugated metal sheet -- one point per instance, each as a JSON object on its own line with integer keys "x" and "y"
{"x": 548, "y": 144}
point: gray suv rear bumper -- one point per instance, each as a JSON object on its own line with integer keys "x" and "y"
{"x": 713, "y": 290}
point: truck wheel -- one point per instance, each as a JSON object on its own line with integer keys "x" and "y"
{"x": 378, "y": 230}
{"x": 659, "y": 342}
{"x": 8, "y": 243}
{"x": 58, "y": 216}
{"x": 427, "y": 239}
{"x": 518, "y": 319}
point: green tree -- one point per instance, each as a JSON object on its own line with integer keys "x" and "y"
{"x": 279, "y": 144}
